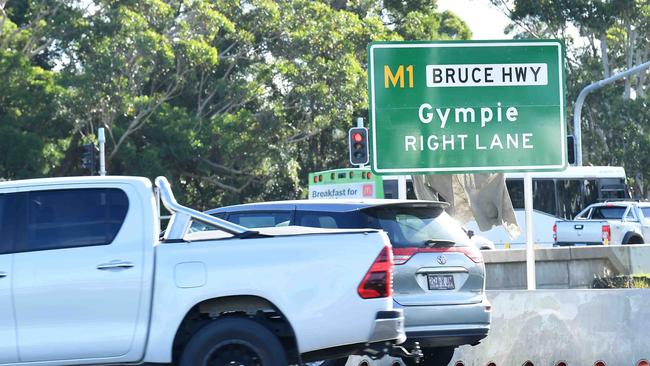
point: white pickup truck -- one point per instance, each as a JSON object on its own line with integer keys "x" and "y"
{"x": 85, "y": 279}
{"x": 609, "y": 223}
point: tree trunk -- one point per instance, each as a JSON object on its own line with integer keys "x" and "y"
{"x": 642, "y": 77}
{"x": 629, "y": 56}
{"x": 604, "y": 56}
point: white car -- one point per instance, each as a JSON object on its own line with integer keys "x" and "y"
{"x": 608, "y": 223}
{"x": 481, "y": 242}
{"x": 85, "y": 279}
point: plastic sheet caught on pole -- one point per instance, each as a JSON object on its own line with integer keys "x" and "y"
{"x": 482, "y": 197}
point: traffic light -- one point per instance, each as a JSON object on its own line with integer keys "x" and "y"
{"x": 571, "y": 149}
{"x": 89, "y": 158}
{"x": 358, "y": 142}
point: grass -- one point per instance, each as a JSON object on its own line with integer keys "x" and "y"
{"x": 638, "y": 280}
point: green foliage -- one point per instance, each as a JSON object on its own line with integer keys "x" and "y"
{"x": 233, "y": 100}
{"x": 30, "y": 101}
{"x": 427, "y": 25}
{"x": 613, "y": 37}
{"x": 622, "y": 281}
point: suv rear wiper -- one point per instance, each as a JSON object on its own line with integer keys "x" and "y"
{"x": 437, "y": 242}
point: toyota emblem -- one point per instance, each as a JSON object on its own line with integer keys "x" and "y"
{"x": 442, "y": 259}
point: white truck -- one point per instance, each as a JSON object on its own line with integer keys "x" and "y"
{"x": 86, "y": 279}
{"x": 608, "y": 223}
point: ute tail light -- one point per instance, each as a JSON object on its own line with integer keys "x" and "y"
{"x": 555, "y": 232}
{"x": 402, "y": 255}
{"x": 378, "y": 281}
{"x": 607, "y": 234}
{"x": 488, "y": 305}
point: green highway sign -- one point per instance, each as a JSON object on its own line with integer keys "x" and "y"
{"x": 455, "y": 107}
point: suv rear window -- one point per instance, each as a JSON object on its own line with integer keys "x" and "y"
{"x": 259, "y": 219}
{"x": 409, "y": 226}
{"x": 331, "y": 220}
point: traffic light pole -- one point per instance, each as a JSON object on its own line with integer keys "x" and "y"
{"x": 102, "y": 160}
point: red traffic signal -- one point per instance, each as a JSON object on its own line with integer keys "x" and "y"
{"x": 358, "y": 145}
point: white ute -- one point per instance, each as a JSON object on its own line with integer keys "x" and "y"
{"x": 85, "y": 279}
{"x": 608, "y": 223}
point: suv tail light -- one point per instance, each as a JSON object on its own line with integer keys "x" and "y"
{"x": 402, "y": 255}
{"x": 607, "y": 234}
{"x": 378, "y": 281}
{"x": 555, "y": 232}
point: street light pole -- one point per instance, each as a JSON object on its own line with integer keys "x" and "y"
{"x": 577, "y": 109}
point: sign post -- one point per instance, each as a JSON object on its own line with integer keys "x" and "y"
{"x": 468, "y": 107}
{"x": 531, "y": 282}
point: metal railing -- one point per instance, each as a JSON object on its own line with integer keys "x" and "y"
{"x": 182, "y": 216}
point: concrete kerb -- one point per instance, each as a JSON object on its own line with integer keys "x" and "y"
{"x": 617, "y": 255}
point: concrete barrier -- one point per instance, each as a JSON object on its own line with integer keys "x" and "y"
{"x": 563, "y": 268}
{"x": 558, "y": 327}
{"x": 576, "y": 327}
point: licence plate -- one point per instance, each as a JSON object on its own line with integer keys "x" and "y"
{"x": 441, "y": 282}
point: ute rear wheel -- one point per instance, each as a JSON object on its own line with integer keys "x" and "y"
{"x": 635, "y": 239}
{"x": 337, "y": 362}
{"x": 433, "y": 357}
{"x": 234, "y": 342}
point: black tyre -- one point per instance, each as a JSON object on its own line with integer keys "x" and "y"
{"x": 634, "y": 240}
{"x": 233, "y": 342}
{"x": 337, "y": 362}
{"x": 433, "y": 357}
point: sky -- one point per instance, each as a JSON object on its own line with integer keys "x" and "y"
{"x": 485, "y": 21}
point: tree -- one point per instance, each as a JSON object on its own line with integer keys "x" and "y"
{"x": 233, "y": 100}
{"x": 613, "y": 37}
{"x": 135, "y": 57}
{"x": 33, "y": 116}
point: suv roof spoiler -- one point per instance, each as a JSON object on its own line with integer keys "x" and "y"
{"x": 411, "y": 203}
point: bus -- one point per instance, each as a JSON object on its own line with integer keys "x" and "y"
{"x": 345, "y": 183}
{"x": 556, "y": 195}
{"x": 350, "y": 183}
